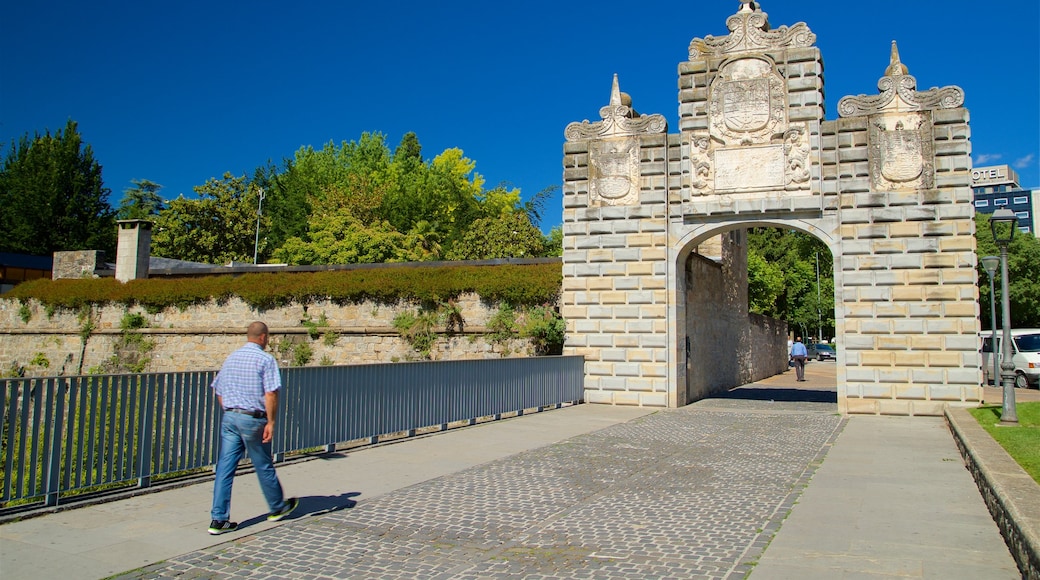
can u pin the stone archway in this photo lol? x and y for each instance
(886, 187)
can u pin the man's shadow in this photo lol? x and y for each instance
(311, 505)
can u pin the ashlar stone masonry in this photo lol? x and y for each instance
(886, 187)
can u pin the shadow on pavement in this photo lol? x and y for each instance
(780, 394)
(311, 505)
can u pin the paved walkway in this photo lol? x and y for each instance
(582, 492)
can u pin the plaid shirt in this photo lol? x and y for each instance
(247, 374)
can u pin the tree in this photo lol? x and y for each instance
(52, 197)
(141, 202)
(554, 242)
(409, 150)
(510, 235)
(765, 283)
(1023, 276)
(806, 305)
(343, 239)
(217, 228)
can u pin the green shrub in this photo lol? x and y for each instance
(502, 325)
(302, 353)
(133, 321)
(519, 284)
(546, 329)
(25, 313)
(313, 327)
(418, 330)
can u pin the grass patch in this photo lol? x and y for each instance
(1021, 442)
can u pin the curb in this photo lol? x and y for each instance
(1011, 495)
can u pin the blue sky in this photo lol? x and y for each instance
(181, 92)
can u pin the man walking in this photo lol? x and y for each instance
(798, 355)
(247, 390)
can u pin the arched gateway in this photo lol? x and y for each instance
(654, 260)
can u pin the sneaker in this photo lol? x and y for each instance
(290, 505)
(217, 527)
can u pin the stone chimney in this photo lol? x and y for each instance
(133, 249)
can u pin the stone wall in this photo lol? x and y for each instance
(77, 263)
(728, 346)
(199, 337)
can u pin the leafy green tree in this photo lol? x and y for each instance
(509, 235)
(536, 205)
(553, 243)
(805, 300)
(765, 283)
(52, 196)
(141, 202)
(286, 207)
(409, 150)
(446, 193)
(1023, 276)
(217, 228)
(341, 238)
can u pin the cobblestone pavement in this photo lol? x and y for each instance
(695, 492)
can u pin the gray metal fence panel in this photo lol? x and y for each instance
(70, 434)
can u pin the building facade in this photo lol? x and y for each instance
(997, 187)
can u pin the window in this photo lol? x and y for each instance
(981, 203)
(1000, 201)
(1022, 215)
(1022, 199)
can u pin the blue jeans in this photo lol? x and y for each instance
(241, 434)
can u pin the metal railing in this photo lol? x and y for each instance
(62, 435)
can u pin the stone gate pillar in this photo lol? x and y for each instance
(900, 162)
(615, 253)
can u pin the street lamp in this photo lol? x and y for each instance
(1003, 223)
(259, 210)
(990, 263)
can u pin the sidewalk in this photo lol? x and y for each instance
(105, 539)
(585, 491)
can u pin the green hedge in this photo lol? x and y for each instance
(521, 284)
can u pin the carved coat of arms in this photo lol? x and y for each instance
(614, 171)
(747, 105)
(901, 152)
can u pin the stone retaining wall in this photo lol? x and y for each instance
(199, 337)
(1010, 493)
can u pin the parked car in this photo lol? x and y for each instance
(822, 352)
(1025, 354)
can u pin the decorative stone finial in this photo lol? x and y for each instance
(748, 6)
(895, 67)
(750, 32)
(898, 92)
(619, 119)
(615, 93)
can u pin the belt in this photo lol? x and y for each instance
(250, 412)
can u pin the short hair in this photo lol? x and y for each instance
(256, 330)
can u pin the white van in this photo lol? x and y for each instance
(1026, 356)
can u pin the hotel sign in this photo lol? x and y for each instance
(994, 175)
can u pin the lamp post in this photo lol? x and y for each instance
(990, 263)
(819, 310)
(1003, 223)
(259, 210)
